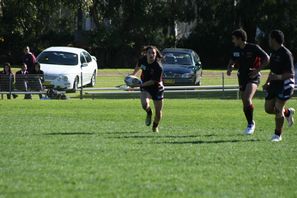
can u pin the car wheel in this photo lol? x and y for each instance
(93, 80)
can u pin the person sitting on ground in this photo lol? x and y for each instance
(7, 80)
(21, 82)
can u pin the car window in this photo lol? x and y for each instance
(88, 57)
(177, 58)
(58, 58)
(82, 59)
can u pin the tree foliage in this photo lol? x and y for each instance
(122, 27)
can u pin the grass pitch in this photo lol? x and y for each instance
(102, 148)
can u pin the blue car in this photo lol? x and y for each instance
(181, 67)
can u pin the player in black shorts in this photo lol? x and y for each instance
(152, 84)
(280, 84)
(249, 58)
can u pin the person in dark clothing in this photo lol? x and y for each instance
(36, 79)
(7, 80)
(279, 86)
(250, 58)
(29, 59)
(21, 82)
(152, 84)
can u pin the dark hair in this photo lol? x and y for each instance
(278, 36)
(149, 47)
(240, 33)
(7, 65)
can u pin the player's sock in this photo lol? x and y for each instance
(278, 132)
(249, 111)
(155, 125)
(287, 112)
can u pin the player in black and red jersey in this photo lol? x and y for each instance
(280, 84)
(249, 58)
(152, 84)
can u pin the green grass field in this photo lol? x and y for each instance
(101, 148)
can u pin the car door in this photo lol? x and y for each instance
(84, 68)
(90, 69)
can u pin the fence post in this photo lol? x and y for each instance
(10, 85)
(81, 84)
(223, 83)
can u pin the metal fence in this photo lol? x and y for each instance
(110, 85)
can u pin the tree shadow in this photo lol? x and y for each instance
(66, 134)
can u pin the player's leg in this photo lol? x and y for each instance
(248, 107)
(279, 119)
(145, 103)
(158, 114)
(270, 106)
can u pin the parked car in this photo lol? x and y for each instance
(63, 66)
(181, 67)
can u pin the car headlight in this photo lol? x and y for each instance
(187, 75)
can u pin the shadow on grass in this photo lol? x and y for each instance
(72, 133)
(207, 141)
(154, 135)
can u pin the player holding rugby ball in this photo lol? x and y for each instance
(152, 84)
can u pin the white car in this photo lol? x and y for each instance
(63, 66)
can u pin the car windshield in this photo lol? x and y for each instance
(58, 58)
(175, 58)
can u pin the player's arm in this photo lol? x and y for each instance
(148, 83)
(283, 76)
(230, 67)
(136, 70)
(264, 61)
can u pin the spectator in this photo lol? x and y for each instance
(7, 80)
(29, 59)
(36, 79)
(21, 82)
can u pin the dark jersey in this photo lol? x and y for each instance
(29, 60)
(248, 57)
(281, 61)
(152, 71)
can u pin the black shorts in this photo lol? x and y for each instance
(243, 82)
(282, 91)
(156, 93)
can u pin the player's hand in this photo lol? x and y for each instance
(253, 73)
(229, 71)
(274, 76)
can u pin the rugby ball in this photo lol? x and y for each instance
(132, 81)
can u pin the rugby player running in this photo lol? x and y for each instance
(279, 86)
(152, 84)
(249, 58)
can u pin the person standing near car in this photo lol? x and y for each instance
(29, 59)
(280, 84)
(250, 58)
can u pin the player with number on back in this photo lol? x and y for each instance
(280, 84)
(152, 84)
(250, 58)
